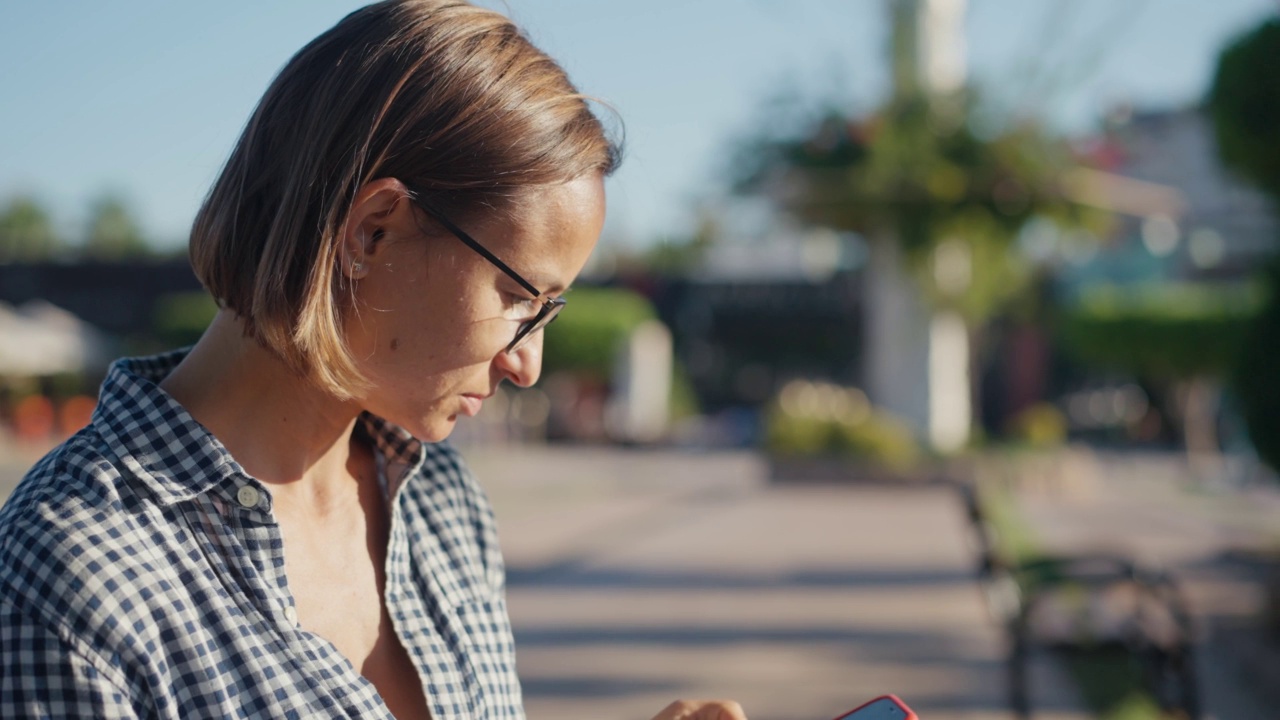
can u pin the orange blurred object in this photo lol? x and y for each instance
(75, 413)
(33, 418)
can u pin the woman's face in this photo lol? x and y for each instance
(432, 318)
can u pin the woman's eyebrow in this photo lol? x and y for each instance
(557, 290)
(546, 284)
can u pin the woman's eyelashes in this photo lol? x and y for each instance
(522, 305)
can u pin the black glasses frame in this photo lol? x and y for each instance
(551, 307)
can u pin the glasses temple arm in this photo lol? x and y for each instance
(471, 243)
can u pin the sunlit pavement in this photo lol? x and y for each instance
(639, 577)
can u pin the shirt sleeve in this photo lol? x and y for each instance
(41, 676)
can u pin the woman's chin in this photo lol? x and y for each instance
(435, 429)
(424, 425)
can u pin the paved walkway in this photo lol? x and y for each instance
(639, 577)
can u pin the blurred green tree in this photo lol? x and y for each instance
(180, 319)
(936, 187)
(1244, 102)
(586, 341)
(112, 233)
(26, 232)
(1181, 338)
(941, 181)
(918, 172)
(1256, 381)
(1164, 332)
(678, 256)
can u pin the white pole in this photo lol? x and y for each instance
(918, 363)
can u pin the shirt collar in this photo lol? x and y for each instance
(399, 452)
(155, 438)
(171, 453)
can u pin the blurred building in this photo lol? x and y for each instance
(1221, 229)
(768, 302)
(741, 340)
(118, 298)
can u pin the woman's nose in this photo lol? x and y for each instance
(523, 366)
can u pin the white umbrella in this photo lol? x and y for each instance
(43, 339)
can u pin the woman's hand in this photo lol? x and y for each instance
(702, 710)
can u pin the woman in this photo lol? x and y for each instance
(265, 525)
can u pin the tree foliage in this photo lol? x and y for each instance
(112, 233)
(679, 256)
(1161, 332)
(586, 339)
(925, 171)
(180, 319)
(1256, 381)
(26, 232)
(1244, 101)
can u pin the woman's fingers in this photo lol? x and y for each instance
(702, 710)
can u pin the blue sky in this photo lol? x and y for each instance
(144, 98)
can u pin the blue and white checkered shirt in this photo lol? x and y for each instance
(142, 575)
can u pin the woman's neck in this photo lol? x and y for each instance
(278, 426)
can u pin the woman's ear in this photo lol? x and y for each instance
(380, 206)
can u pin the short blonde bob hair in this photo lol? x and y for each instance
(450, 98)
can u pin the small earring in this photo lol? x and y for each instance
(357, 268)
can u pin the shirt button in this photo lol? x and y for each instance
(248, 496)
(291, 615)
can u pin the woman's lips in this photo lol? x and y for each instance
(471, 405)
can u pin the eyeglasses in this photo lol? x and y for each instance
(551, 307)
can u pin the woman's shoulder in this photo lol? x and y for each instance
(60, 529)
(77, 478)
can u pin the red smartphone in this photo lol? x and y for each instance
(885, 707)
